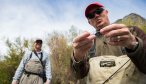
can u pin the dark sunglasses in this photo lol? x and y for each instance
(97, 11)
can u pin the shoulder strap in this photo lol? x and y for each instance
(28, 59)
(92, 51)
(40, 58)
(30, 56)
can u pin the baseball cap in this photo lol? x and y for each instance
(92, 5)
(39, 41)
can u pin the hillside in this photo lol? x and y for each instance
(133, 20)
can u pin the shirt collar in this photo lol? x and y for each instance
(39, 52)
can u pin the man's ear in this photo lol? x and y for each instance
(106, 12)
(89, 22)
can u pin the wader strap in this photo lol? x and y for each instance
(40, 58)
(29, 73)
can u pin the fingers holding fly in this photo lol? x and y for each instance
(84, 39)
(118, 32)
(81, 37)
(111, 27)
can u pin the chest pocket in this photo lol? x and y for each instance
(34, 66)
(112, 69)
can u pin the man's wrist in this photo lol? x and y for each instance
(48, 81)
(135, 45)
(14, 82)
(76, 58)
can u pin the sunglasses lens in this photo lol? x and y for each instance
(90, 16)
(97, 11)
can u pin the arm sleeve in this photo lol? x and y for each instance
(48, 68)
(79, 69)
(20, 68)
(138, 56)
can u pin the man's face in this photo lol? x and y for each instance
(38, 46)
(99, 20)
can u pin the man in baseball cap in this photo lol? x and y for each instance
(113, 55)
(96, 4)
(35, 66)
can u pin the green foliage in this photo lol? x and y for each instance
(14, 55)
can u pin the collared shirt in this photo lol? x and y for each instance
(25, 59)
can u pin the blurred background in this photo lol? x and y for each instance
(57, 22)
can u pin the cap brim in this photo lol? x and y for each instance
(89, 7)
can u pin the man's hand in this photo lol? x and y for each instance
(81, 44)
(119, 35)
(14, 82)
(47, 82)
